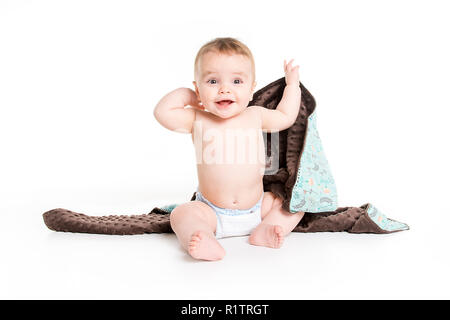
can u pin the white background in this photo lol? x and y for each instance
(78, 84)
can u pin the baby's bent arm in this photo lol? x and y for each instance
(286, 112)
(171, 113)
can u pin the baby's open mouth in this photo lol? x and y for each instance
(224, 103)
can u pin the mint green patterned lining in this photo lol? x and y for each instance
(169, 207)
(384, 222)
(314, 190)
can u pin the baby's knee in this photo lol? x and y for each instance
(269, 197)
(277, 203)
(185, 211)
(177, 214)
(272, 199)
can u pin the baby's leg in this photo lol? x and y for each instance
(194, 223)
(276, 223)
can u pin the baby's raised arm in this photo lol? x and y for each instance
(171, 113)
(286, 112)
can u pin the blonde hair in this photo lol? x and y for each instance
(228, 46)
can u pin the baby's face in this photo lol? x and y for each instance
(222, 77)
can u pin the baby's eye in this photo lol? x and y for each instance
(237, 80)
(212, 80)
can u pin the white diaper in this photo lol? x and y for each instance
(234, 222)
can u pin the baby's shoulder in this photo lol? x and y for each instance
(253, 108)
(254, 111)
(202, 115)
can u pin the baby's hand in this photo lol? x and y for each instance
(291, 74)
(190, 98)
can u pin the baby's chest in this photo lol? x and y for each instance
(239, 142)
(226, 134)
(240, 126)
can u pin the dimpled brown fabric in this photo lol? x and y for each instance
(350, 219)
(65, 220)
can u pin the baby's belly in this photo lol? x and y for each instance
(231, 186)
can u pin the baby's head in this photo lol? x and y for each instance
(224, 69)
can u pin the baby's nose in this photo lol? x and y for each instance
(224, 89)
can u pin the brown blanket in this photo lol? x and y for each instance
(350, 219)
(288, 153)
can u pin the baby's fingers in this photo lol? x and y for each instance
(288, 67)
(198, 105)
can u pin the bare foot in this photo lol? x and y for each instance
(203, 246)
(267, 235)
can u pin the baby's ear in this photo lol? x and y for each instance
(196, 89)
(253, 90)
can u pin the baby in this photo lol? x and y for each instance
(230, 199)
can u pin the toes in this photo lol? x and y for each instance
(198, 235)
(278, 231)
(195, 239)
(192, 249)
